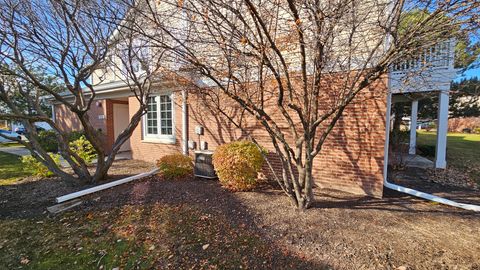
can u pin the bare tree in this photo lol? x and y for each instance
(298, 62)
(78, 43)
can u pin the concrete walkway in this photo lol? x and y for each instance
(17, 150)
(22, 151)
(417, 161)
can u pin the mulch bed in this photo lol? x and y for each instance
(32, 195)
(341, 231)
(448, 183)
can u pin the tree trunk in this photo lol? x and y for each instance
(303, 193)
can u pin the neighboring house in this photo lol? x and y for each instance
(353, 159)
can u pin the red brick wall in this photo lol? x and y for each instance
(351, 159)
(67, 121)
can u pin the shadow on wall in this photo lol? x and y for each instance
(65, 119)
(360, 136)
(352, 157)
(213, 112)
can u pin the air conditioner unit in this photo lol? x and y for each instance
(204, 165)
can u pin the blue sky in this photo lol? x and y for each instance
(472, 71)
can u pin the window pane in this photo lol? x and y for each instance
(166, 122)
(152, 125)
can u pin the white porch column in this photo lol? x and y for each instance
(442, 128)
(184, 122)
(413, 128)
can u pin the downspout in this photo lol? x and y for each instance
(53, 113)
(406, 190)
(184, 122)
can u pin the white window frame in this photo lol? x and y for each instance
(160, 138)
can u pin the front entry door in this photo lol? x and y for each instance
(121, 119)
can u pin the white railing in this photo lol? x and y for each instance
(441, 55)
(432, 69)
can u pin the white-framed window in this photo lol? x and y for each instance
(158, 122)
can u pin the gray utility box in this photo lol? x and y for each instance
(204, 165)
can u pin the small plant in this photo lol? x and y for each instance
(84, 149)
(237, 165)
(175, 166)
(476, 130)
(32, 164)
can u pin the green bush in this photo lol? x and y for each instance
(36, 167)
(75, 135)
(476, 130)
(427, 150)
(175, 166)
(237, 165)
(48, 140)
(84, 149)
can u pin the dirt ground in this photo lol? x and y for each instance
(449, 183)
(341, 231)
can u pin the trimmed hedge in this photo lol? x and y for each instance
(175, 166)
(237, 165)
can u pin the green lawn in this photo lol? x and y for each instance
(463, 151)
(11, 168)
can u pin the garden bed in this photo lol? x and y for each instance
(30, 196)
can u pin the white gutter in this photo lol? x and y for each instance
(53, 113)
(184, 122)
(410, 191)
(104, 186)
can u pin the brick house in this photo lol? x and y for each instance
(354, 157)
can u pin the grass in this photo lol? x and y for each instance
(463, 151)
(11, 169)
(152, 236)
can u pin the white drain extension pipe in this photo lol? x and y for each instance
(410, 191)
(104, 186)
(431, 197)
